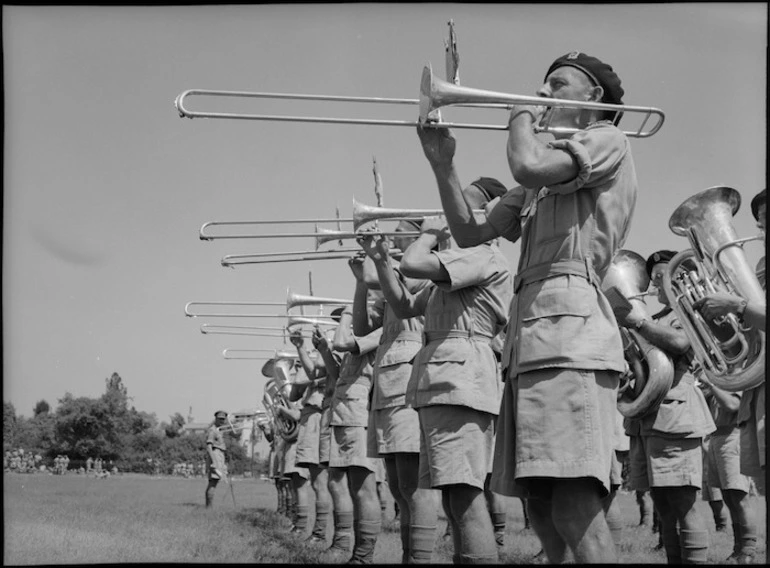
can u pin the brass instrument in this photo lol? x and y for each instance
(276, 394)
(254, 330)
(293, 300)
(651, 369)
(239, 421)
(731, 354)
(299, 320)
(232, 260)
(434, 94)
(189, 313)
(245, 353)
(363, 214)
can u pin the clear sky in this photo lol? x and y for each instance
(106, 187)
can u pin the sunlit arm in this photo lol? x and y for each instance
(420, 262)
(467, 230)
(665, 337)
(534, 163)
(730, 401)
(401, 301)
(364, 317)
(344, 338)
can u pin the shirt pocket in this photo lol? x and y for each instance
(394, 368)
(442, 365)
(553, 325)
(674, 416)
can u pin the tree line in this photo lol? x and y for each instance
(110, 428)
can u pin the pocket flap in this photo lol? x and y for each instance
(399, 352)
(558, 302)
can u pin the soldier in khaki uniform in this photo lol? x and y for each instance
(563, 353)
(351, 471)
(216, 468)
(455, 384)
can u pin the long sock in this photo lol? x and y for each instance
(367, 533)
(422, 539)
(736, 539)
(670, 538)
(615, 524)
(694, 546)
(405, 544)
(498, 522)
(748, 542)
(343, 530)
(300, 519)
(321, 519)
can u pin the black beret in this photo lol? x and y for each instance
(600, 73)
(660, 256)
(490, 187)
(415, 223)
(759, 199)
(337, 313)
(222, 412)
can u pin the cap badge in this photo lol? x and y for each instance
(573, 55)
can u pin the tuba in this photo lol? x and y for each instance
(731, 354)
(651, 369)
(276, 394)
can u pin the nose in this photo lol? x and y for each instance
(544, 91)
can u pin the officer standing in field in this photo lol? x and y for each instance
(216, 468)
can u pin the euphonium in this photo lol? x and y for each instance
(732, 356)
(651, 369)
(277, 389)
(273, 397)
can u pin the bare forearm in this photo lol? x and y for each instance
(665, 337)
(465, 228)
(362, 322)
(398, 297)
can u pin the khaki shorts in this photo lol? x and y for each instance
(665, 462)
(616, 472)
(723, 462)
(394, 430)
(456, 446)
(555, 424)
(325, 437)
(349, 448)
(290, 466)
(380, 476)
(219, 464)
(309, 439)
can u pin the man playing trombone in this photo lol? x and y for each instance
(394, 429)
(309, 387)
(563, 354)
(455, 384)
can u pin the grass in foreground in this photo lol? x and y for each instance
(133, 518)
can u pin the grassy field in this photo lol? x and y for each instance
(133, 518)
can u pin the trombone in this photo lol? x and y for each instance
(232, 260)
(245, 354)
(435, 93)
(255, 330)
(191, 314)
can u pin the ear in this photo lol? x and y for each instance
(597, 93)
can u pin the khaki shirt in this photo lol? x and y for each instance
(350, 403)
(400, 342)
(216, 438)
(569, 233)
(313, 398)
(457, 364)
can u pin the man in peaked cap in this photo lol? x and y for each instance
(563, 355)
(216, 467)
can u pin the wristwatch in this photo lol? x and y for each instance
(640, 323)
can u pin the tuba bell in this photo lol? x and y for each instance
(731, 354)
(277, 394)
(651, 369)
